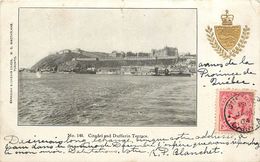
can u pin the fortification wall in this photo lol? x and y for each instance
(119, 63)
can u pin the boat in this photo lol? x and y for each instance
(38, 73)
(180, 71)
(157, 71)
(91, 70)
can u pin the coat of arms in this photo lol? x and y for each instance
(227, 39)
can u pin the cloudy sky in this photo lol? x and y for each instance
(45, 31)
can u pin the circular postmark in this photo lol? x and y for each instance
(238, 113)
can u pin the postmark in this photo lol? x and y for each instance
(235, 111)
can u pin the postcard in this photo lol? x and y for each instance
(128, 81)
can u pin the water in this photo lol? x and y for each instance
(106, 100)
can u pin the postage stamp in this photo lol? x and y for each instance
(235, 111)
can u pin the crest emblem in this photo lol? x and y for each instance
(227, 39)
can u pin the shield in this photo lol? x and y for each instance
(228, 36)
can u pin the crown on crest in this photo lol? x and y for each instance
(227, 18)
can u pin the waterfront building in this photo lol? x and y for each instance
(188, 57)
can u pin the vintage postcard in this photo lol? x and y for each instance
(123, 81)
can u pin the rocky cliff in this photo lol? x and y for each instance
(63, 62)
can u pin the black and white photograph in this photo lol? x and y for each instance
(130, 67)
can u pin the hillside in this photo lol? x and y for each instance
(57, 61)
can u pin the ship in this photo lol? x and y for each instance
(180, 71)
(91, 70)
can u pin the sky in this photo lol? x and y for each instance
(46, 31)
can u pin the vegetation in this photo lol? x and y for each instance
(63, 62)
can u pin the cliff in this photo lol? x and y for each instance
(63, 62)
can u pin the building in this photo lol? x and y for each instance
(188, 57)
(117, 54)
(165, 52)
(77, 50)
(113, 53)
(142, 54)
(64, 51)
(86, 59)
(131, 54)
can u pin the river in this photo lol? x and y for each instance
(106, 100)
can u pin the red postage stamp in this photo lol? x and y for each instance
(235, 111)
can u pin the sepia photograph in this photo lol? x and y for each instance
(107, 67)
